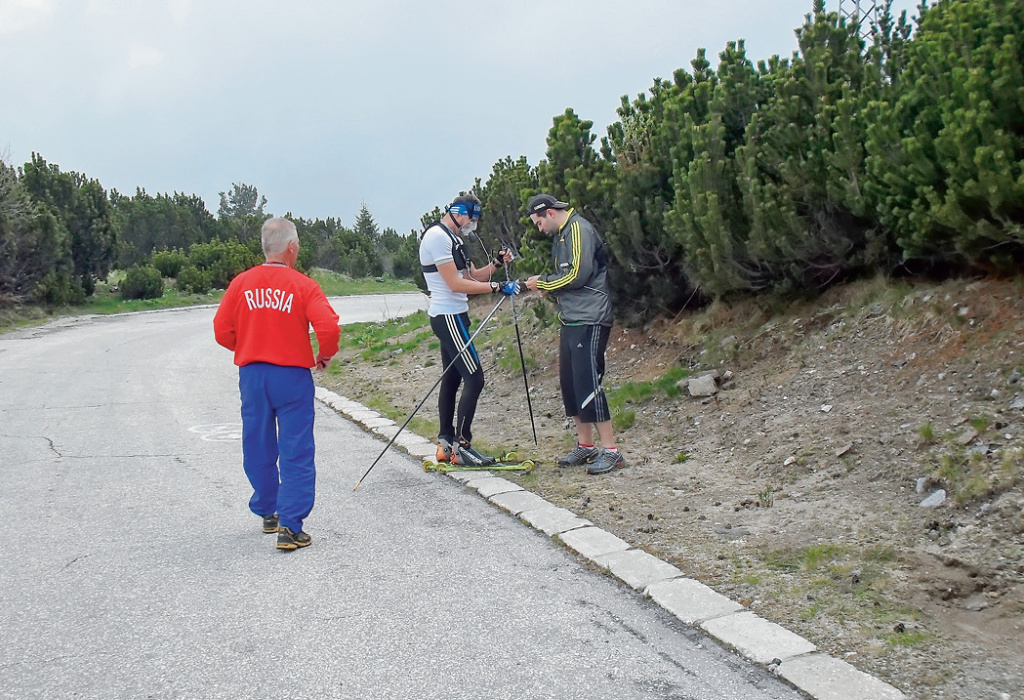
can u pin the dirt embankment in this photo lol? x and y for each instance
(796, 488)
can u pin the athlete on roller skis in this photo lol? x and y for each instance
(451, 277)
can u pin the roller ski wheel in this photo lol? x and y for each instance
(525, 466)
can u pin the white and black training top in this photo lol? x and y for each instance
(439, 246)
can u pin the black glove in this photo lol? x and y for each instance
(499, 259)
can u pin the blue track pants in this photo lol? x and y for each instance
(277, 440)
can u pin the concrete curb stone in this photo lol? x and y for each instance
(375, 424)
(420, 449)
(493, 485)
(592, 542)
(552, 520)
(828, 678)
(690, 600)
(363, 416)
(757, 638)
(637, 568)
(517, 501)
(407, 441)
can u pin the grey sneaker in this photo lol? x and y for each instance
(579, 455)
(467, 456)
(607, 461)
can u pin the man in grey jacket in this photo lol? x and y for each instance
(579, 286)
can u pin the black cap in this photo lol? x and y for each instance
(540, 203)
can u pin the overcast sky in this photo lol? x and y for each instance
(326, 104)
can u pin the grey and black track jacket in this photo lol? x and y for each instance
(580, 282)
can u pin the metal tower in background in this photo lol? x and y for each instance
(864, 12)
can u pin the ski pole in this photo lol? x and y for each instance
(522, 362)
(519, 339)
(443, 372)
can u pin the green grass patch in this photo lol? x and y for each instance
(107, 298)
(501, 340)
(880, 290)
(337, 284)
(1011, 466)
(880, 554)
(811, 612)
(404, 346)
(980, 423)
(623, 420)
(819, 555)
(906, 639)
(425, 427)
(950, 469)
(971, 477)
(641, 392)
(509, 361)
(378, 335)
(807, 559)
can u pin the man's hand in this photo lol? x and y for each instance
(531, 284)
(322, 362)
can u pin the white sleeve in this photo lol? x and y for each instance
(436, 247)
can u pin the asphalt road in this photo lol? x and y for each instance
(132, 567)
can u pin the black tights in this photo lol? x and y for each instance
(453, 332)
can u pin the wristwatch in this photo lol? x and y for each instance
(495, 287)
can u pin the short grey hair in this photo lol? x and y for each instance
(276, 234)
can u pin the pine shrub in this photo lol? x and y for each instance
(142, 282)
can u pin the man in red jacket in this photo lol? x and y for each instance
(264, 318)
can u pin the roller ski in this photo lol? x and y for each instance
(461, 457)
(507, 464)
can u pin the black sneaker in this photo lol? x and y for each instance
(467, 456)
(607, 461)
(270, 523)
(579, 456)
(286, 539)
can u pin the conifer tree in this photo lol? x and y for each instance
(503, 198)
(574, 170)
(366, 226)
(802, 235)
(708, 218)
(650, 141)
(35, 255)
(945, 156)
(82, 208)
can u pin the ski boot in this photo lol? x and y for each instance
(445, 452)
(468, 457)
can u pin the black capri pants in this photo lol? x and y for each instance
(580, 370)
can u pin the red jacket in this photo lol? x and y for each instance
(266, 313)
